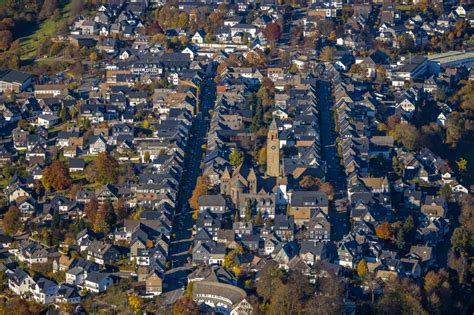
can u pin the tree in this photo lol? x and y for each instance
(11, 220)
(310, 183)
(199, 190)
(48, 8)
(269, 280)
(248, 210)
(381, 73)
(90, 210)
(272, 32)
(438, 292)
(93, 56)
(400, 241)
(328, 189)
(462, 165)
(466, 218)
(461, 240)
(185, 306)
(384, 231)
(327, 53)
(64, 114)
(56, 176)
(236, 157)
(146, 156)
(56, 220)
(407, 135)
(6, 38)
(135, 302)
(146, 124)
(362, 269)
(400, 297)
(455, 126)
(153, 28)
(328, 298)
(107, 168)
(76, 7)
(262, 156)
(120, 209)
(67, 308)
(445, 191)
(104, 218)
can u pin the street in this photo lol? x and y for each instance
(179, 255)
(334, 174)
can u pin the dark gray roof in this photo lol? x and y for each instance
(309, 199)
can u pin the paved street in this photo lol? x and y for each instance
(176, 277)
(335, 174)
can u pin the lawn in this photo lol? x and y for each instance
(29, 44)
(89, 158)
(60, 127)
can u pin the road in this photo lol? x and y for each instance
(176, 277)
(334, 173)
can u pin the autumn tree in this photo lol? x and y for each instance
(262, 156)
(384, 231)
(153, 28)
(466, 218)
(381, 73)
(93, 56)
(185, 306)
(56, 176)
(290, 297)
(120, 209)
(48, 8)
(400, 297)
(72, 191)
(270, 279)
(107, 167)
(329, 296)
(236, 157)
(266, 93)
(328, 189)
(104, 218)
(135, 302)
(462, 165)
(272, 32)
(406, 135)
(6, 38)
(327, 53)
(91, 209)
(362, 269)
(76, 7)
(200, 189)
(310, 183)
(438, 292)
(11, 220)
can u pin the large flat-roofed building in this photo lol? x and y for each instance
(413, 68)
(13, 80)
(450, 59)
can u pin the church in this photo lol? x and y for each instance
(266, 192)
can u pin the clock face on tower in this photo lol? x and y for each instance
(273, 147)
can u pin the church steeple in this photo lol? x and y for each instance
(273, 150)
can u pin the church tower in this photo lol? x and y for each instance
(273, 150)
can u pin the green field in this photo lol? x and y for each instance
(30, 43)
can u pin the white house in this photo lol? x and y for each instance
(44, 291)
(198, 37)
(75, 276)
(97, 282)
(47, 121)
(19, 281)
